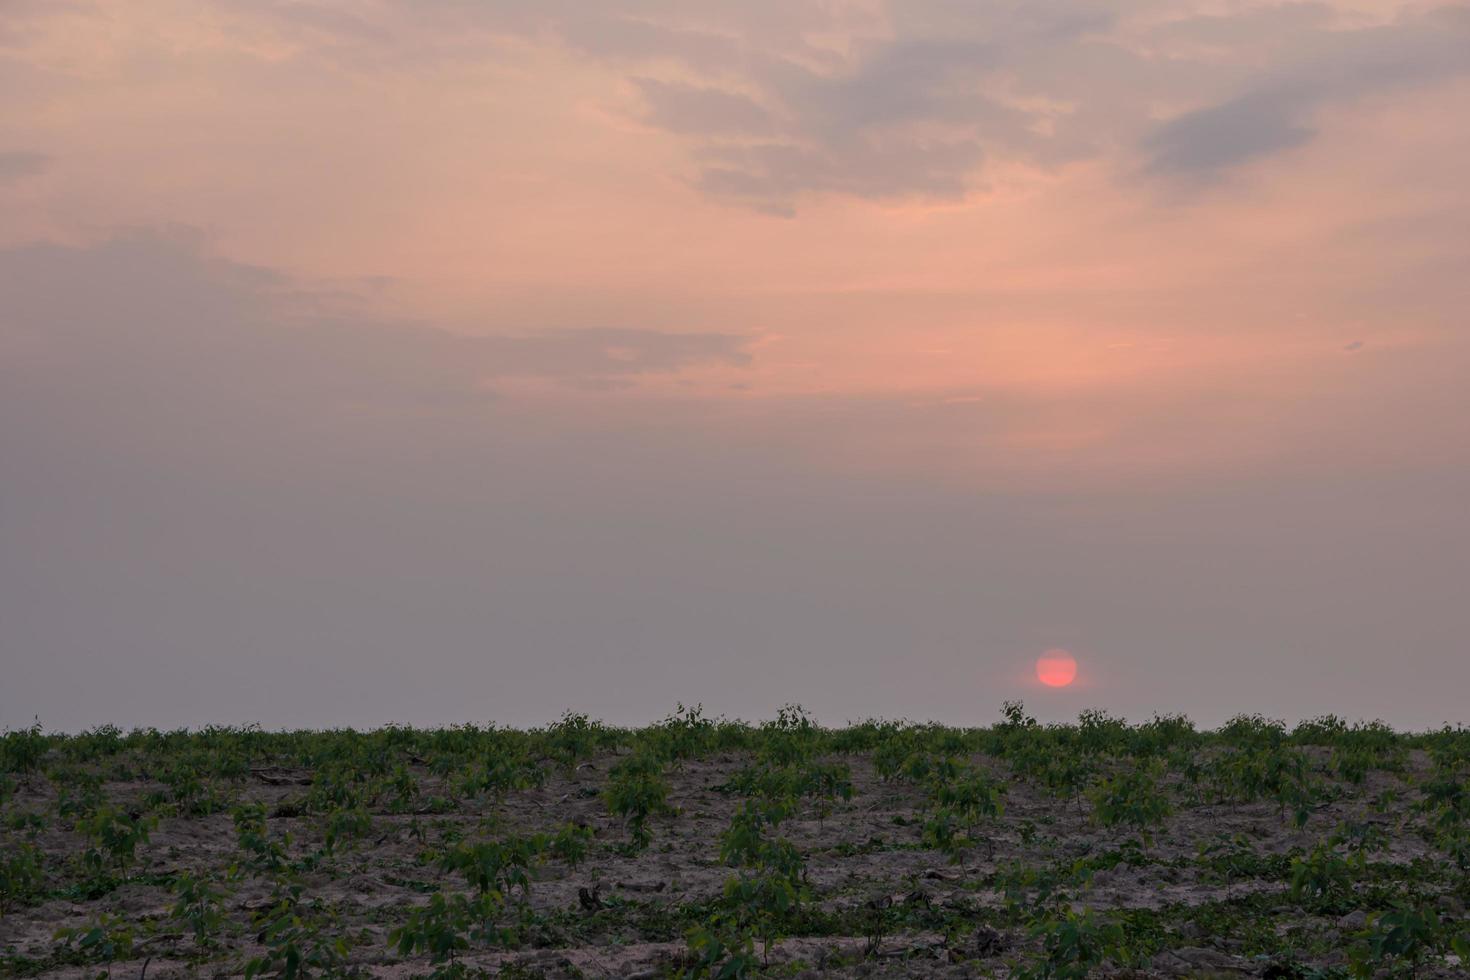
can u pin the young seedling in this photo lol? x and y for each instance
(636, 791)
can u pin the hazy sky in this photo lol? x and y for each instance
(469, 360)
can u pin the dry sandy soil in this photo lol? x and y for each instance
(866, 863)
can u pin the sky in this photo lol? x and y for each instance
(482, 360)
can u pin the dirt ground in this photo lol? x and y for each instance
(623, 914)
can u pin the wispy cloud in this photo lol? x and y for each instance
(15, 164)
(1332, 67)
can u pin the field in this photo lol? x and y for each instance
(703, 847)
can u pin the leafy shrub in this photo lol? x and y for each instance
(1073, 946)
(495, 868)
(1134, 798)
(1323, 875)
(349, 823)
(1405, 934)
(570, 844)
(636, 791)
(197, 909)
(107, 939)
(262, 853)
(721, 953)
(114, 837)
(22, 876)
(22, 751)
(298, 944)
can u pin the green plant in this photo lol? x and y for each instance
(114, 837)
(22, 750)
(1073, 946)
(826, 783)
(298, 944)
(720, 952)
(962, 797)
(262, 852)
(636, 791)
(574, 738)
(79, 794)
(504, 768)
(1404, 934)
(189, 793)
(22, 876)
(495, 868)
(107, 939)
(440, 929)
(570, 844)
(349, 823)
(1323, 874)
(197, 908)
(1133, 798)
(685, 734)
(762, 903)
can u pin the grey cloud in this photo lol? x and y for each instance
(328, 21)
(603, 353)
(1222, 136)
(859, 132)
(917, 96)
(916, 113)
(815, 119)
(1269, 25)
(695, 109)
(147, 322)
(778, 101)
(626, 39)
(772, 176)
(15, 164)
(1332, 66)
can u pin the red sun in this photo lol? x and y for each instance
(1056, 668)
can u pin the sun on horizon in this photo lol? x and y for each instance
(1056, 668)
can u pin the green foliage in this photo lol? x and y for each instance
(791, 738)
(79, 793)
(198, 910)
(298, 943)
(1404, 934)
(107, 939)
(1323, 874)
(349, 823)
(570, 844)
(506, 767)
(972, 795)
(826, 783)
(635, 792)
(113, 836)
(1234, 858)
(1271, 772)
(495, 868)
(762, 903)
(22, 750)
(191, 793)
(575, 738)
(440, 929)
(717, 953)
(961, 797)
(1133, 798)
(684, 734)
(22, 876)
(261, 851)
(1073, 946)
(93, 745)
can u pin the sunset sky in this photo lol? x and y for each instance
(469, 360)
